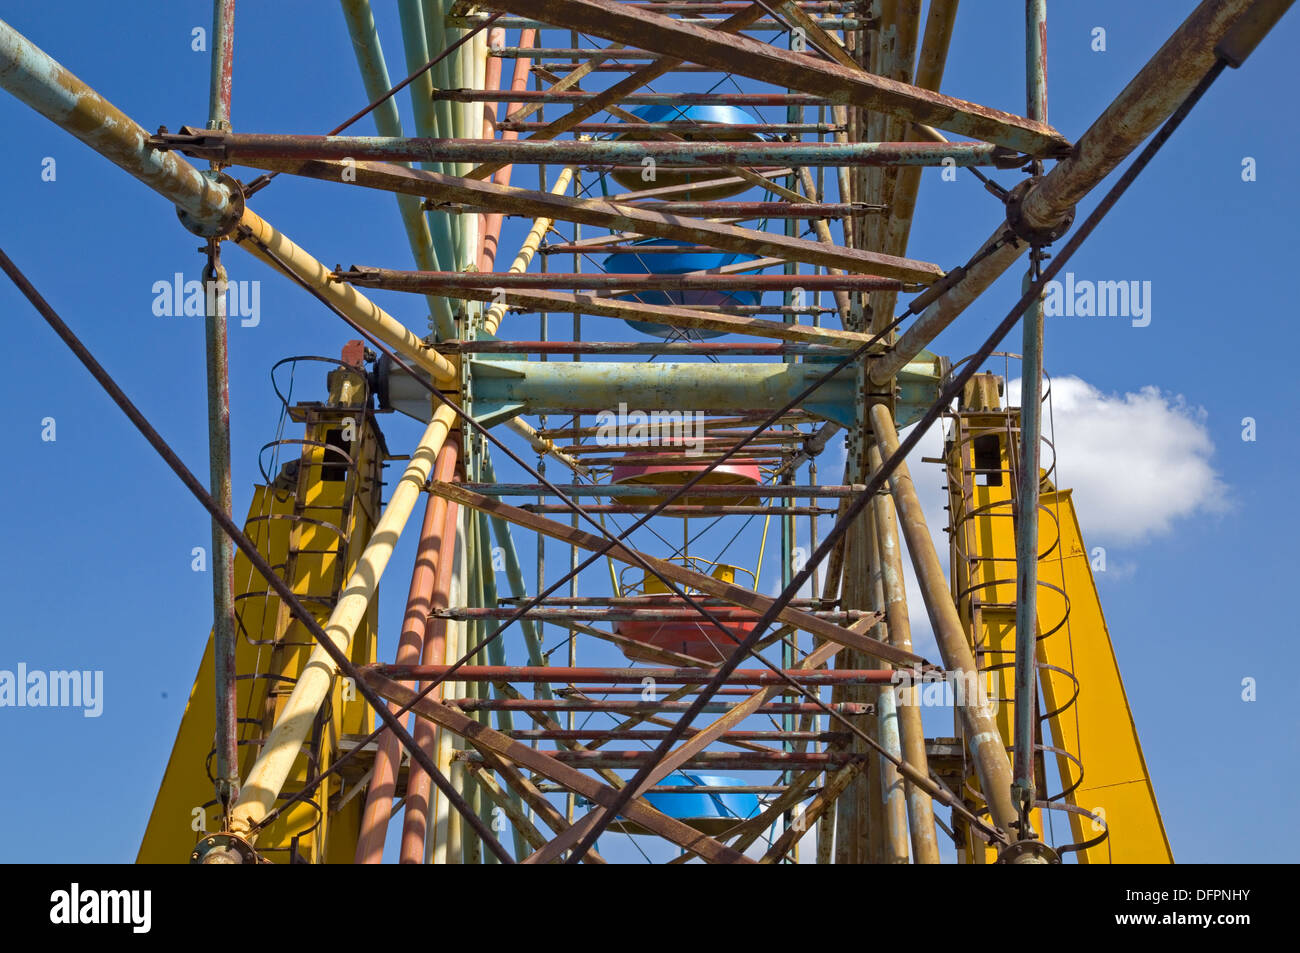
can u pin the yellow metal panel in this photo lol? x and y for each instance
(1099, 727)
(1096, 727)
(186, 786)
(310, 828)
(297, 530)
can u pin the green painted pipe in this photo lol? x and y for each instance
(374, 76)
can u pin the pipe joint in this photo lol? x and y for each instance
(224, 848)
(1025, 226)
(225, 223)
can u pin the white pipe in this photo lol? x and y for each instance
(283, 747)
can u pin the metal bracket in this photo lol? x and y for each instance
(207, 144)
(1028, 852)
(224, 848)
(1004, 158)
(1016, 221)
(234, 211)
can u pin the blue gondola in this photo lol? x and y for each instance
(707, 812)
(687, 117)
(676, 264)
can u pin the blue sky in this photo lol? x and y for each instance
(96, 568)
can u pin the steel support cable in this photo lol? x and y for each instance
(877, 479)
(282, 589)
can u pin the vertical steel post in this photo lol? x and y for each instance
(223, 552)
(873, 844)
(793, 114)
(449, 825)
(571, 801)
(496, 656)
(1036, 59)
(219, 482)
(223, 49)
(473, 845)
(787, 646)
(1026, 510)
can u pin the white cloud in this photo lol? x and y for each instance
(1138, 462)
(928, 480)
(1117, 571)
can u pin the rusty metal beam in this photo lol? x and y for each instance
(931, 59)
(986, 747)
(765, 25)
(650, 490)
(689, 511)
(736, 211)
(597, 102)
(628, 614)
(518, 782)
(394, 280)
(835, 786)
(655, 734)
(243, 148)
(603, 214)
(745, 56)
(706, 760)
(558, 301)
(576, 97)
(1147, 101)
(618, 128)
(671, 192)
(223, 54)
(920, 809)
(519, 818)
(629, 676)
(35, 78)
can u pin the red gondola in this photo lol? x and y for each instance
(700, 640)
